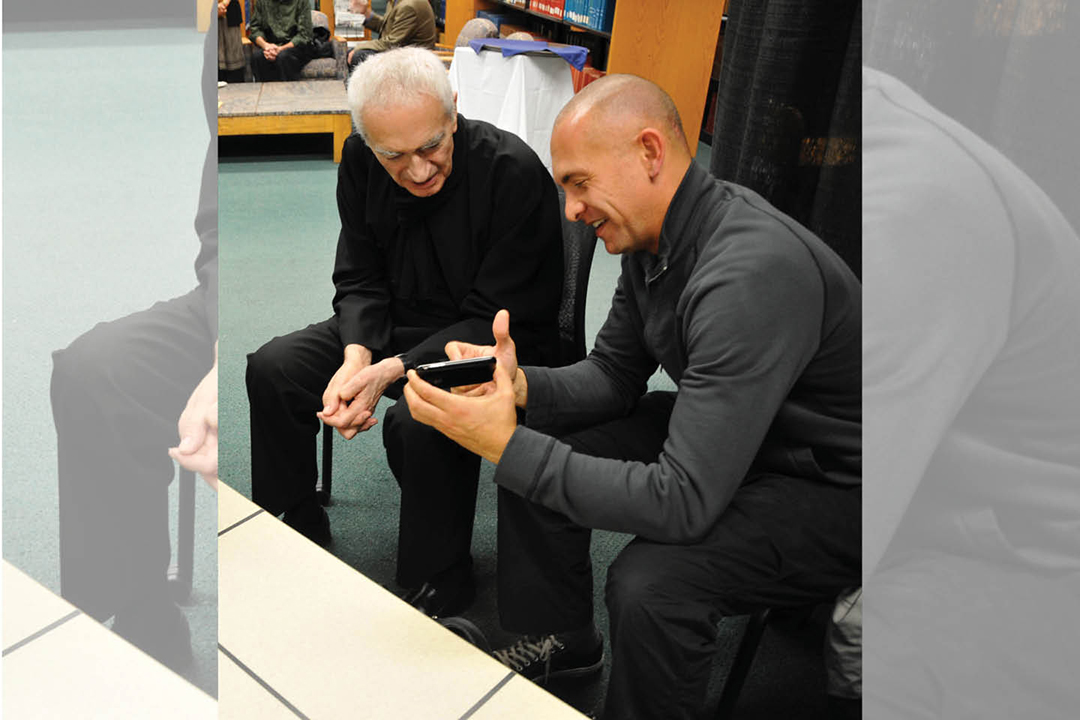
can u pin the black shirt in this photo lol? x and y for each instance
(491, 238)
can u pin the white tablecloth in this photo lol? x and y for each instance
(522, 94)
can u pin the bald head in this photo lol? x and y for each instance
(619, 151)
(627, 103)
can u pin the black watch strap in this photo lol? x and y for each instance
(409, 364)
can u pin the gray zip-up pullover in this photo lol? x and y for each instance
(757, 321)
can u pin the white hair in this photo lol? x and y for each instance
(396, 77)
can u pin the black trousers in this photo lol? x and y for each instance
(781, 542)
(117, 393)
(287, 66)
(285, 381)
(360, 55)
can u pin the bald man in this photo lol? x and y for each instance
(742, 488)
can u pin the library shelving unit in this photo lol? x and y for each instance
(671, 42)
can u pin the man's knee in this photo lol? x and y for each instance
(400, 429)
(635, 588)
(409, 441)
(645, 585)
(268, 366)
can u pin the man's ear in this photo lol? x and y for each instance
(652, 149)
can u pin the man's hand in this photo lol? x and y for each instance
(357, 357)
(363, 391)
(270, 52)
(481, 423)
(198, 428)
(360, 7)
(505, 353)
(221, 8)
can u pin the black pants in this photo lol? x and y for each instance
(781, 542)
(287, 66)
(117, 393)
(359, 55)
(285, 381)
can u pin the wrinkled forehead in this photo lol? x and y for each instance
(406, 126)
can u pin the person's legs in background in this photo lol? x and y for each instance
(358, 56)
(262, 70)
(117, 393)
(292, 60)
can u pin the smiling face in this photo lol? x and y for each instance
(413, 142)
(605, 184)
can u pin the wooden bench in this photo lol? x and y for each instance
(277, 108)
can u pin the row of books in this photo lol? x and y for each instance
(594, 14)
(585, 76)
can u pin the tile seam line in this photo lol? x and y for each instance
(265, 685)
(48, 628)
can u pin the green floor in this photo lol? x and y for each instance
(104, 138)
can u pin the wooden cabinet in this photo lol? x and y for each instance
(671, 42)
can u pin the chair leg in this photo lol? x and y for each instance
(180, 577)
(326, 478)
(740, 666)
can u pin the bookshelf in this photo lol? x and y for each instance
(502, 5)
(671, 42)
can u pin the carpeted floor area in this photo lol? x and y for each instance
(279, 226)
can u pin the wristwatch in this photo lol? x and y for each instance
(409, 364)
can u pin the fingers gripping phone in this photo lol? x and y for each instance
(451, 373)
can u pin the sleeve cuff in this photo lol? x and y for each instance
(523, 461)
(539, 409)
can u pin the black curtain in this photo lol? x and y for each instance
(788, 112)
(1009, 70)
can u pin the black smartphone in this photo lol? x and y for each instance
(451, 373)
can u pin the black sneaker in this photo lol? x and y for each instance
(311, 521)
(546, 658)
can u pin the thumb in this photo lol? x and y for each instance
(192, 435)
(500, 327)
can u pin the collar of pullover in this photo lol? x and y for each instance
(680, 221)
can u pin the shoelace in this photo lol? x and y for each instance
(527, 651)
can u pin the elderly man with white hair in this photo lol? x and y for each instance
(444, 221)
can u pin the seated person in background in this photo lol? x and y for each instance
(743, 488)
(474, 30)
(281, 32)
(407, 22)
(443, 221)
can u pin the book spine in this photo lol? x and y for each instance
(607, 16)
(579, 11)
